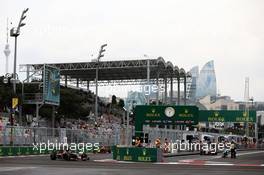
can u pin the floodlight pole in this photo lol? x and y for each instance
(14, 32)
(100, 55)
(15, 60)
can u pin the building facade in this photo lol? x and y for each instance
(206, 84)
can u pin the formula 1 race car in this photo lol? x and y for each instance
(103, 149)
(68, 155)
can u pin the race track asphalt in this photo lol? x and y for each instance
(245, 164)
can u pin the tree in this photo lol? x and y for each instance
(73, 103)
(121, 103)
(114, 100)
(70, 103)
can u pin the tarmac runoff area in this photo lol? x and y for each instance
(247, 162)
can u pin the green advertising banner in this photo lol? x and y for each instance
(186, 115)
(165, 115)
(235, 116)
(51, 81)
(18, 150)
(137, 154)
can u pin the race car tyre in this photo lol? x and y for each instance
(66, 157)
(84, 157)
(53, 156)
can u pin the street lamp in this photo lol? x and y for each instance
(100, 55)
(14, 32)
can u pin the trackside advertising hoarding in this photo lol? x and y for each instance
(51, 82)
(235, 116)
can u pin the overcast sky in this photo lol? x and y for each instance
(185, 32)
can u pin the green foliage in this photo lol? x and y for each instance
(121, 103)
(72, 103)
(114, 102)
(46, 111)
(5, 94)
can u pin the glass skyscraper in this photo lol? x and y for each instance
(206, 84)
(203, 83)
(135, 98)
(195, 74)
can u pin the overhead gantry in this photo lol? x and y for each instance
(123, 72)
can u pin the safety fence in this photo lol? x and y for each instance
(16, 141)
(27, 136)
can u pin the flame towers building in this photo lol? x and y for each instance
(206, 84)
(203, 83)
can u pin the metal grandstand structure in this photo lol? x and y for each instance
(124, 72)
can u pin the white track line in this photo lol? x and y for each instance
(219, 164)
(6, 157)
(112, 161)
(205, 163)
(3, 169)
(220, 156)
(167, 163)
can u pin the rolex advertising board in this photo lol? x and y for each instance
(165, 115)
(187, 115)
(227, 116)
